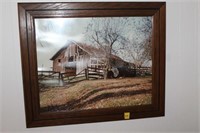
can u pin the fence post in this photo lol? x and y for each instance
(59, 75)
(86, 73)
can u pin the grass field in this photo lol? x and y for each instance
(94, 94)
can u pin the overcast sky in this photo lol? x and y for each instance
(54, 33)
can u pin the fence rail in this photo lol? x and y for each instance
(70, 76)
(44, 75)
(144, 70)
(85, 74)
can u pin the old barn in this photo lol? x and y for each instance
(75, 57)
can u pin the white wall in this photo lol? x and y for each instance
(199, 57)
(182, 86)
(1, 41)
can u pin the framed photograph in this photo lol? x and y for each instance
(92, 62)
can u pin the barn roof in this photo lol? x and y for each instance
(59, 52)
(92, 51)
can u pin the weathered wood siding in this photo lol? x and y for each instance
(58, 63)
(76, 58)
(82, 60)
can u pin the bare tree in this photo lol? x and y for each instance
(132, 35)
(107, 32)
(147, 41)
(139, 46)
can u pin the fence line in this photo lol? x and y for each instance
(89, 73)
(42, 75)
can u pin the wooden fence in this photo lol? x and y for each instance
(143, 71)
(70, 76)
(45, 75)
(85, 74)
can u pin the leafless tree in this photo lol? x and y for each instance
(132, 35)
(147, 41)
(141, 50)
(107, 32)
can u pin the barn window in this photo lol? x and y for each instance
(80, 51)
(59, 60)
(71, 58)
(93, 61)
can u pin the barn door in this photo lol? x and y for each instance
(79, 64)
(82, 63)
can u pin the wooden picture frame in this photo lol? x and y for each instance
(28, 12)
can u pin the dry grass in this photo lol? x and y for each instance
(121, 102)
(97, 94)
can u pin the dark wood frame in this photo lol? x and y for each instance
(29, 11)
